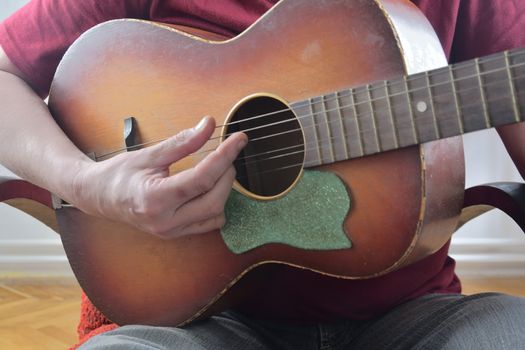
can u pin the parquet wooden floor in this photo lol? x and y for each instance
(36, 314)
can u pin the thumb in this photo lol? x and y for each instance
(180, 145)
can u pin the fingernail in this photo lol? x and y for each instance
(201, 124)
(242, 143)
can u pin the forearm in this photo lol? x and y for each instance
(31, 143)
(34, 147)
(513, 136)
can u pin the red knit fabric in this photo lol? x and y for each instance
(92, 322)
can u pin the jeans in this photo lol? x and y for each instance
(435, 321)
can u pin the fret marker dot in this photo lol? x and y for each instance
(421, 106)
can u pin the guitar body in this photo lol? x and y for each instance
(405, 204)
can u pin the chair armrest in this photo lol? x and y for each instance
(28, 198)
(509, 197)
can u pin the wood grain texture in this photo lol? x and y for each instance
(513, 286)
(39, 314)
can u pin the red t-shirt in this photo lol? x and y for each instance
(36, 37)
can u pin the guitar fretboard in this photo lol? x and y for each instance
(409, 110)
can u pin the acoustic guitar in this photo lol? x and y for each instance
(357, 93)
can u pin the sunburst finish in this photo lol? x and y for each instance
(406, 203)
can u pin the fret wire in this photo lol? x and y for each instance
(453, 67)
(456, 100)
(445, 115)
(358, 126)
(511, 54)
(300, 116)
(466, 106)
(306, 165)
(309, 164)
(374, 116)
(348, 134)
(512, 88)
(446, 118)
(315, 131)
(411, 111)
(488, 123)
(432, 106)
(343, 129)
(329, 132)
(391, 114)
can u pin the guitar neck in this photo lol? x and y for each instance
(410, 110)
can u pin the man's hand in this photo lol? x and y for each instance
(136, 188)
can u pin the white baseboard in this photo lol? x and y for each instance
(489, 257)
(33, 258)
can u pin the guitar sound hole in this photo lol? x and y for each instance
(272, 161)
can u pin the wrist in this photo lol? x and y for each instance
(74, 182)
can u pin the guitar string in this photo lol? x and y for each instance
(328, 144)
(384, 98)
(409, 79)
(398, 126)
(428, 87)
(343, 96)
(307, 165)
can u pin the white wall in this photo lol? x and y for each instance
(9, 6)
(26, 246)
(492, 244)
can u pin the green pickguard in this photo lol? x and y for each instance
(310, 216)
